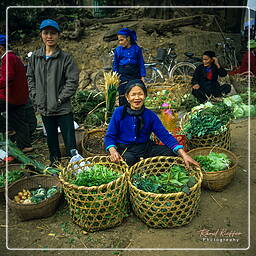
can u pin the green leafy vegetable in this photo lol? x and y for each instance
(175, 180)
(12, 176)
(211, 119)
(94, 176)
(213, 162)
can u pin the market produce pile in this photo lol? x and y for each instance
(207, 119)
(35, 196)
(12, 176)
(240, 104)
(176, 179)
(213, 162)
(94, 176)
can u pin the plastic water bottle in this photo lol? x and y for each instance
(76, 157)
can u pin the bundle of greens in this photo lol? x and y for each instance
(12, 176)
(83, 102)
(208, 119)
(175, 180)
(94, 176)
(19, 155)
(112, 82)
(213, 162)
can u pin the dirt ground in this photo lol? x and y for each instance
(224, 213)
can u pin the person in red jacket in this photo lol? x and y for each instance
(16, 94)
(249, 56)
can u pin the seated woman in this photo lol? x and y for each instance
(128, 134)
(205, 78)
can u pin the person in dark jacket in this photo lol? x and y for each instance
(17, 95)
(128, 61)
(128, 134)
(205, 78)
(53, 79)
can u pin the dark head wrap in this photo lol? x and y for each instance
(133, 83)
(128, 32)
(137, 113)
(211, 54)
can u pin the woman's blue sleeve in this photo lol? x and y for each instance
(116, 61)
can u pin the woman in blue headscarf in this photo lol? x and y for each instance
(128, 61)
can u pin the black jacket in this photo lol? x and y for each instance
(200, 77)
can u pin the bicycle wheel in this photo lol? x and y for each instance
(182, 72)
(154, 75)
(98, 82)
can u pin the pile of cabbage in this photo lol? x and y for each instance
(240, 104)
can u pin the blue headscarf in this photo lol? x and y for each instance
(128, 32)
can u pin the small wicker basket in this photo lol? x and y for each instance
(97, 207)
(216, 181)
(95, 137)
(34, 211)
(163, 210)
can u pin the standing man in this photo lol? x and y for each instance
(17, 96)
(53, 79)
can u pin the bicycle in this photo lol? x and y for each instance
(167, 64)
(227, 58)
(98, 82)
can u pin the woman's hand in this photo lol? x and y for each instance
(187, 158)
(114, 155)
(196, 86)
(216, 62)
(143, 79)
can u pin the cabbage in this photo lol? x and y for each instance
(236, 98)
(238, 111)
(245, 109)
(252, 110)
(228, 102)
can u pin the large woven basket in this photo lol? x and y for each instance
(93, 138)
(34, 211)
(163, 210)
(97, 207)
(222, 139)
(11, 167)
(216, 181)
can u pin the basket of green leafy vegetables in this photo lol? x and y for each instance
(34, 197)
(208, 125)
(96, 191)
(163, 193)
(218, 166)
(15, 172)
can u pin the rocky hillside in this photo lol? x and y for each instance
(94, 40)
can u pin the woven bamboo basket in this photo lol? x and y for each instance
(97, 207)
(34, 211)
(93, 138)
(11, 167)
(217, 181)
(222, 139)
(163, 210)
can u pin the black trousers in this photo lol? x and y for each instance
(17, 121)
(201, 94)
(134, 152)
(66, 124)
